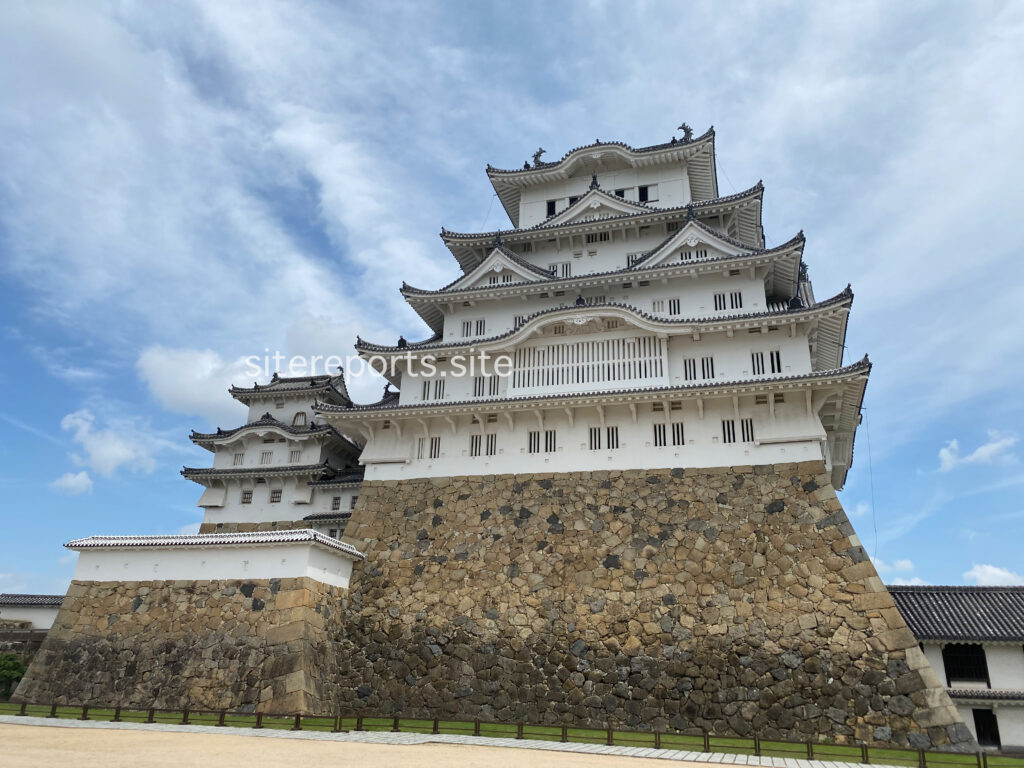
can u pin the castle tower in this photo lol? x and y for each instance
(284, 468)
(606, 490)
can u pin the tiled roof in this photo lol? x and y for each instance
(343, 477)
(215, 540)
(844, 296)
(288, 469)
(751, 193)
(985, 693)
(975, 614)
(266, 420)
(328, 516)
(861, 367)
(292, 385)
(640, 267)
(35, 600)
(674, 144)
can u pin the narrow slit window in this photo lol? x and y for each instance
(776, 361)
(728, 431)
(747, 429)
(595, 438)
(435, 447)
(707, 367)
(757, 363)
(719, 301)
(677, 433)
(612, 433)
(474, 445)
(492, 444)
(659, 435)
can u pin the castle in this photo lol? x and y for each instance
(602, 490)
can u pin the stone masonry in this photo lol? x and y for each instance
(239, 645)
(734, 600)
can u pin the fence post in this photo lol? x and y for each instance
(53, 710)
(810, 750)
(979, 758)
(184, 716)
(519, 730)
(565, 733)
(359, 722)
(437, 726)
(85, 712)
(476, 727)
(611, 737)
(151, 717)
(24, 708)
(337, 724)
(298, 722)
(984, 759)
(864, 754)
(657, 739)
(220, 720)
(259, 720)
(707, 741)
(117, 714)
(922, 761)
(757, 745)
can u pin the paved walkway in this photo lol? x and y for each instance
(383, 737)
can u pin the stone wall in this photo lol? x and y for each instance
(248, 645)
(732, 600)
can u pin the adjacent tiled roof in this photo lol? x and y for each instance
(861, 367)
(674, 144)
(288, 469)
(215, 540)
(34, 600)
(985, 693)
(328, 516)
(752, 193)
(266, 420)
(640, 267)
(291, 385)
(843, 297)
(975, 614)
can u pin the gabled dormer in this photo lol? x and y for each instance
(596, 204)
(693, 242)
(501, 266)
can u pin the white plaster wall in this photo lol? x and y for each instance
(282, 407)
(262, 511)
(1005, 666)
(41, 616)
(933, 652)
(390, 456)
(267, 561)
(671, 178)
(311, 451)
(1011, 726)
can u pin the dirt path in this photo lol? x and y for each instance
(24, 746)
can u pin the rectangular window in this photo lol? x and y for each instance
(519, 320)
(275, 496)
(595, 438)
(551, 207)
(426, 390)
(620, 193)
(558, 330)
(435, 447)
(673, 306)
(658, 305)
(597, 300)
(672, 226)
(613, 438)
(598, 237)
(987, 728)
(561, 269)
(478, 386)
(492, 280)
(239, 458)
(965, 662)
(728, 431)
(747, 430)
(481, 327)
(467, 328)
(266, 456)
(421, 448)
(642, 193)
(332, 533)
(573, 199)
(633, 258)
(779, 398)
(438, 389)
(352, 501)
(247, 497)
(294, 456)
(757, 363)
(677, 433)
(506, 278)
(279, 404)
(707, 367)
(659, 435)
(719, 301)
(492, 386)
(492, 445)
(736, 300)
(533, 442)
(549, 441)
(335, 503)
(690, 368)
(776, 361)
(474, 445)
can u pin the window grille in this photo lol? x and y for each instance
(598, 237)
(549, 441)
(533, 442)
(421, 448)
(965, 662)
(435, 447)
(336, 503)
(747, 429)
(492, 445)
(595, 438)
(673, 306)
(293, 456)
(352, 501)
(659, 435)
(247, 497)
(239, 459)
(275, 496)
(474, 445)
(677, 433)
(658, 305)
(690, 368)
(736, 300)
(757, 363)
(728, 431)
(266, 456)
(299, 420)
(467, 328)
(776, 361)
(707, 367)
(612, 433)
(481, 327)
(478, 386)
(719, 301)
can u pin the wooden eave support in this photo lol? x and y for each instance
(570, 415)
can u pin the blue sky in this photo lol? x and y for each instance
(186, 184)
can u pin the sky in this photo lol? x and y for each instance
(186, 184)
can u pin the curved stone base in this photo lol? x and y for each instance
(734, 600)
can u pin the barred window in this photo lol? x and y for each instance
(336, 503)
(275, 496)
(757, 363)
(776, 361)
(266, 456)
(247, 497)
(677, 433)
(595, 438)
(728, 431)
(478, 386)
(747, 429)
(533, 442)
(736, 300)
(719, 301)
(474, 445)
(612, 434)
(549, 441)
(965, 661)
(435, 447)
(239, 459)
(294, 456)
(299, 420)
(690, 368)
(707, 367)
(352, 501)
(659, 435)
(492, 445)
(673, 306)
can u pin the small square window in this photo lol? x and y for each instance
(247, 497)
(336, 503)
(275, 496)
(239, 459)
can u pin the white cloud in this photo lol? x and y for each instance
(860, 509)
(993, 576)
(189, 529)
(902, 566)
(106, 449)
(916, 581)
(73, 484)
(194, 382)
(995, 451)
